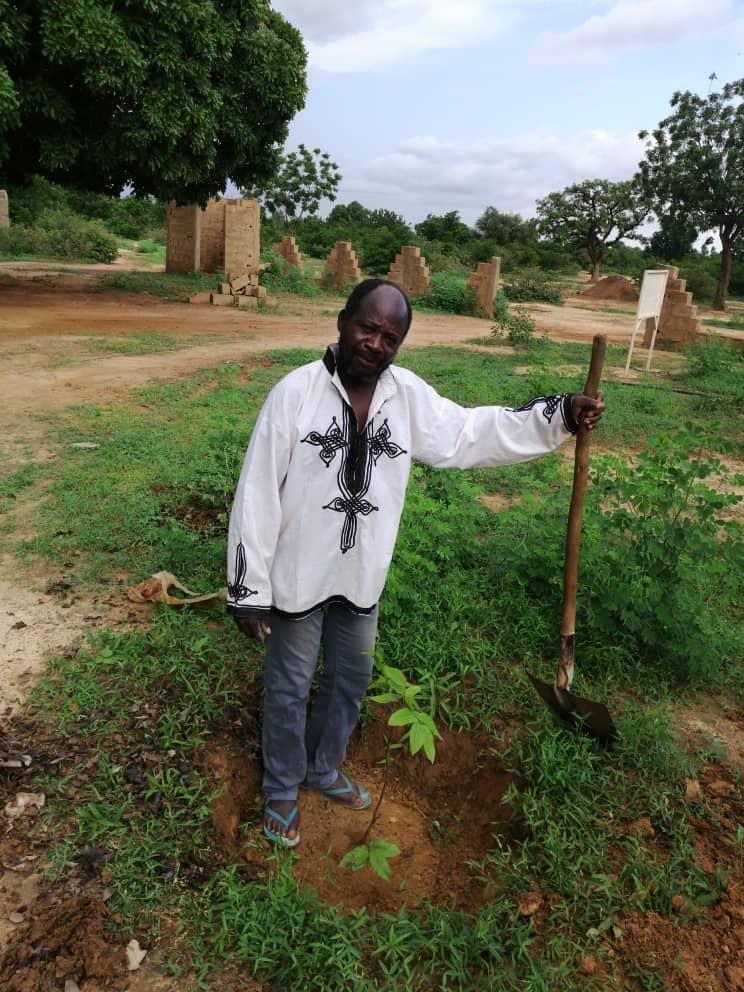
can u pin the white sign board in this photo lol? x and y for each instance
(652, 293)
(650, 302)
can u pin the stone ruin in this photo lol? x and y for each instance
(410, 271)
(679, 323)
(289, 251)
(4, 212)
(226, 234)
(342, 266)
(485, 281)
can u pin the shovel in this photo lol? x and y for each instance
(592, 717)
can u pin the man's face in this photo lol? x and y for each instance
(370, 338)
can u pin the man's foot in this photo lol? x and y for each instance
(281, 822)
(351, 794)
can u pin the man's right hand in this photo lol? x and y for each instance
(253, 627)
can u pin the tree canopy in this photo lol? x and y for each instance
(170, 97)
(694, 166)
(592, 215)
(302, 179)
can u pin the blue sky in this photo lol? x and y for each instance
(437, 105)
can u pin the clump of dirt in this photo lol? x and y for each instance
(69, 940)
(440, 816)
(703, 957)
(613, 288)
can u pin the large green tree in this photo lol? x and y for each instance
(302, 179)
(170, 97)
(592, 216)
(506, 229)
(694, 167)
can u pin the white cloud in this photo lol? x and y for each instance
(348, 38)
(426, 175)
(632, 24)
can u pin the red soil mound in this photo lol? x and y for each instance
(613, 288)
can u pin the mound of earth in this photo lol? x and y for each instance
(613, 288)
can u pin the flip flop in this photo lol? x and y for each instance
(285, 821)
(350, 789)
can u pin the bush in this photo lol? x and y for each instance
(700, 283)
(531, 285)
(448, 294)
(59, 234)
(284, 278)
(516, 327)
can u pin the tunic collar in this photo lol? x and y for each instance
(386, 386)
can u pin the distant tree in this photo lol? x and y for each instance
(169, 97)
(447, 228)
(302, 179)
(694, 165)
(592, 215)
(505, 229)
(674, 239)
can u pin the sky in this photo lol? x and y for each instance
(429, 106)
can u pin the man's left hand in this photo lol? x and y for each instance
(588, 411)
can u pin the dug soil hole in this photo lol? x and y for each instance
(443, 817)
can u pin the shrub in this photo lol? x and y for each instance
(531, 285)
(516, 327)
(448, 294)
(60, 234)
(700, 283)
(284, 278)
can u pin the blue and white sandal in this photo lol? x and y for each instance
(350, 789)
(286, 822)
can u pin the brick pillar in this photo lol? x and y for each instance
(242, 237)
(679, 323)
(410, 271)
(342, 266)
(182, 248)
(485, 282)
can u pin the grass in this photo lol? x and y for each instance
(472, 600)
(173, 287)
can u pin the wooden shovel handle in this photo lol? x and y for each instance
(581, 465)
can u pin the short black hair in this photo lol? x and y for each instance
(364, 288)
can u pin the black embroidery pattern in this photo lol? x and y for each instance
(551, 405)
(359, 453)
(236, 590)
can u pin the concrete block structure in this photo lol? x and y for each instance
(679, 324)
(4, 212)
(410, 271)
(289, 251)
(342, 266)
(226, 234)
(485, 281)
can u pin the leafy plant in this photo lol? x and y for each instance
(419, 735)
(516, 327)
(531, 285)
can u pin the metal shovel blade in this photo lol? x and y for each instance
(584, 713)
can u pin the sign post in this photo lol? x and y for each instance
(649, 305)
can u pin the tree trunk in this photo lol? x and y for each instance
(595, 269)
(719, 303)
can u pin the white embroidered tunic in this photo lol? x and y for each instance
(318, 503)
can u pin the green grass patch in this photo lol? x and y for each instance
(473, 599)
(174, 287)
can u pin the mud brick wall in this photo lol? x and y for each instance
(4, 214)
(242, 236)
(679, 323)
(342, 266)
(182, 250)
(212, 220)
(289, 251)
(485, 282)
(410, 271)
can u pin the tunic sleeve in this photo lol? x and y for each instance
(445, 435)
(256, 515)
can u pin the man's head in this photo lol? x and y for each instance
(371, 328)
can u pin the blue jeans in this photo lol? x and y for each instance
(309, 751)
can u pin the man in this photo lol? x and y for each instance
(314, 523)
